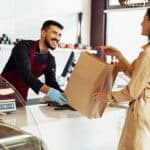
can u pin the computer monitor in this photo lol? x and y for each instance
(69, 65)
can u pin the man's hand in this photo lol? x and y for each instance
(56, 96)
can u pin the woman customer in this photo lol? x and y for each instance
(136, 131)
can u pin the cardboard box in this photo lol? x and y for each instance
(89, 76)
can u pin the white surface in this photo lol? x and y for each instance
(69, 130)
(23, 19)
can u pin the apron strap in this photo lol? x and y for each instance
(33, 51)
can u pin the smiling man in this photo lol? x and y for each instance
(30, 59)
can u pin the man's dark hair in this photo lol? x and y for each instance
(48, 23)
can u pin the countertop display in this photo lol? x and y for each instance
(66, 129)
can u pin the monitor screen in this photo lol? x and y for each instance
(69, 64)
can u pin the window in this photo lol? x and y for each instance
(123, 30)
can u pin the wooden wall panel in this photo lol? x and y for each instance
(97, 23)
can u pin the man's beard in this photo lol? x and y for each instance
(48, 44)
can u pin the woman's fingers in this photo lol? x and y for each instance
(100, 96)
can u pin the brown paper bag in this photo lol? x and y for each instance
(89, 76)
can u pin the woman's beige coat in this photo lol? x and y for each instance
(136, 131)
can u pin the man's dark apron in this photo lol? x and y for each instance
(15, 79)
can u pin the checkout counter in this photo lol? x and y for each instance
(46, 128)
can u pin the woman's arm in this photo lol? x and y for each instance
(140, 78)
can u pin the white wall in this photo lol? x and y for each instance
(6, 17)
(86, 21)
(23, 18)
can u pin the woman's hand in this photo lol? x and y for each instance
(112, 51)
(99, 96)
